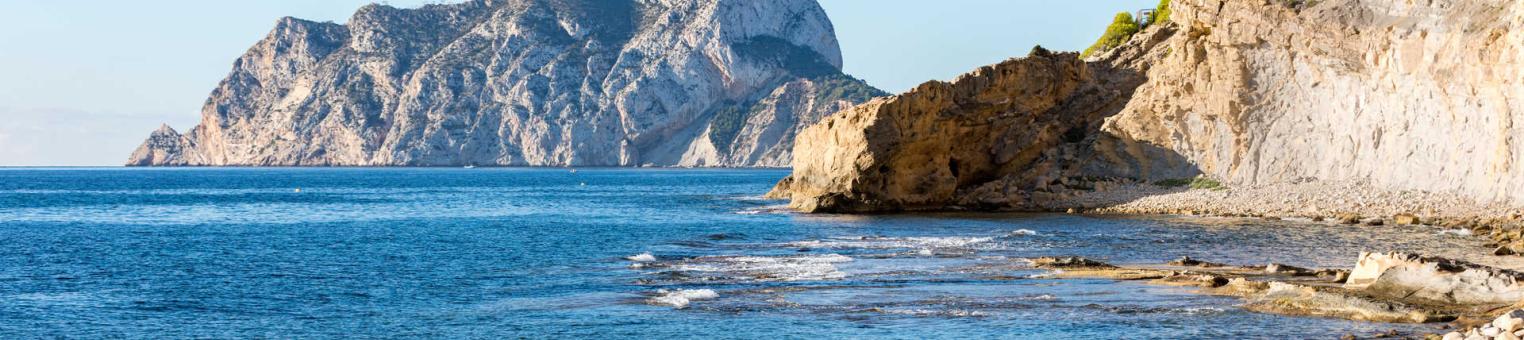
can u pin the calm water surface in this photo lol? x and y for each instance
(540, 253)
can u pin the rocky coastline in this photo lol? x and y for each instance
(1253, 94)
(1380, 287)
(1363, 113)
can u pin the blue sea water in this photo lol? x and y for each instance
(541, 253)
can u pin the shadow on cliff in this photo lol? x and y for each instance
(1088, 155)
(1092, 154)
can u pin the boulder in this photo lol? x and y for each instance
(1405, 219)
(1510, 322)
(1350, 219)
(1504, 250)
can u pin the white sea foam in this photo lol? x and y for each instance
(769, 209)
(765, 268)
(643, 257)
(683, 297)
(1023, 232)
(867, 242)
(958, 313)
(1042, 297)
(1054, 273)
(1456, 232)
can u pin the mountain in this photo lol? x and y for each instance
(525, 83)
(1397, 95)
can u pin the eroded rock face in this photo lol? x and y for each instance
(1002, 128)
(1415, 95)
(1435, 279)
(1405, 95)
(526, 83)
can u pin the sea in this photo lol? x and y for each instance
(537, 253)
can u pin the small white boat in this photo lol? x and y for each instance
(470, 167)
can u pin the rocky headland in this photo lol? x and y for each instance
(525, 83)
(1393, 111)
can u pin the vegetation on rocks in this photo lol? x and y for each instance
(1161, 14)
(845, 87)
(1193, 183)
(1121, 29)
(831, 88)
(726, 124)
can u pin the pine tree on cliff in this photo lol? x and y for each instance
(1122, 28)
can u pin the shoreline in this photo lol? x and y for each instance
(1349, 203)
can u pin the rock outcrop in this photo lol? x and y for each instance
(526, 83)
(162, 147)
(1383, 287)
(982, 139)
(1403, 95)
(1437, 280)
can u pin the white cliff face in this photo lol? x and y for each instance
(527, 83)
(1408, 95)
(1404, 95)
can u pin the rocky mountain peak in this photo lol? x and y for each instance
(528, 82)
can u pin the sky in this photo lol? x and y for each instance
(83, 82)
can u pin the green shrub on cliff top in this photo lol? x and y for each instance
(1161, 14)
(1200, 182)
(1121, 29)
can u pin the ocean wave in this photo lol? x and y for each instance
(681, 298)
(874, 242)
(767, 209)
(643, 257)
(1159, 310)
(953, 313)
(754, 268)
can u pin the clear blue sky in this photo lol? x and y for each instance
(83, 82)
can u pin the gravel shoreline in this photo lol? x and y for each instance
(1340, 202)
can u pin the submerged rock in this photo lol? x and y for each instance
(1187, 261)
(1070, 262)
(1294, 299)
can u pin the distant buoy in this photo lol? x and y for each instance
(298, 190)
(584, 184)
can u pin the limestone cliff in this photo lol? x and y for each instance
(1003, 128)
(1405, 95)
(526, 83)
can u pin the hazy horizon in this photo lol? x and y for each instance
(89, 80)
